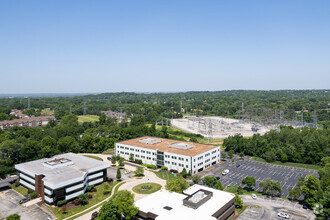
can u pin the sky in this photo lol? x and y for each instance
(77, 46)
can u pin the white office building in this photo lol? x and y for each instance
(173, 154)
(62, 177)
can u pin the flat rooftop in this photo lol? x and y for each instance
(168, 145)
(169, 205)
(61, 168)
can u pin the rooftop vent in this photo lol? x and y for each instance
(55, 163)
(149, 141)
(182, 146)
(168, 208)
(197, 197)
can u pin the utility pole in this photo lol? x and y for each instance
(70, 110)
(29, 103)
(315, 119)
(84, 108)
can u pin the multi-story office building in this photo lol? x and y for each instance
(173, 154)
(62, 177)
(196, 202)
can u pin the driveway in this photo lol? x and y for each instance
(9, 204)
(269, 207)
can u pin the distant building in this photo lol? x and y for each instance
(26, 122)
(18, 113)
(196, 202)
(194, 157)
(62, 177)
(113, 114)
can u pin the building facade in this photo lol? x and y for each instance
(173, 154)
(62, 177)
(26, 122)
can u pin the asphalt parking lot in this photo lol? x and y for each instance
(9, 204)
(288, 176)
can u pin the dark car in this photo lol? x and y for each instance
(109, 158)
(217, 177)
(305, 206)
(23, 200)
(238, 165)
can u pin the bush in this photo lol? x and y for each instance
(164, 168)
(14, 217)
(33, 195)
(30, 191)
(16, 184)
(138, 161)
(149, 166)
(90, 188)
(62, 202)
(75, 202)
(82, 199)
(173, 171)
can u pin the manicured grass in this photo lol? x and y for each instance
(83, 213)
(88, 118)
(94, 157)
(108, 151)
(48, 112)
(166, 175)
(220, 171)
(97, 197)
(20, 189)
(289, 164)
(153, 188)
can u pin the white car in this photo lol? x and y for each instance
(127, 172)
(254, 196)
(283, 215)
(225, 172)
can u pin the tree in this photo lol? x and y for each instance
(249, 181)
(139, 171)
(109, 211)
(210, 181)
(121, 162)
(241, 154)
(14, 217)
(67, 144)
(223, 155)
(231, 153)
(196, 178)
(218, 185)
(113, 161)
(184, 173)
(131, 157)
(238, 201)
(118, 176)
(271, 187)
(125, 199)
(270, 156)
(177, 185)
(102, 119)
(137, 120)
(311, 190)
(193, 139)
(294, 193)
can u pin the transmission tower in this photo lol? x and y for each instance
(70, 109)
(315, 119)
(84, 108)
(29, 103)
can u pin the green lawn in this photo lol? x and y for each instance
(94, 157)
(108, 151)
(166, 175)
(83, 213)
(48, 112)
(289, 164)
(88, 118)
(139, 188)
(97, 197)
(20, 189)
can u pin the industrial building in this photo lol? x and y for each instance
(196, 202)
(62, 177)
(176, 155)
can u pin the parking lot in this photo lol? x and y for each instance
(287, 176)
(9, 204)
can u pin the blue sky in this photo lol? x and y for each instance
(163, 46)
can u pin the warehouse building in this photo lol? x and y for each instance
(196, 202)
(176, 155)
(62, 177)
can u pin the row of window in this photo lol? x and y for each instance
(137, 150)
(174, 163)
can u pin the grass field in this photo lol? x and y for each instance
(48, 112)
(94, 157)
(289, 164)
(166, 175)
(87, 118)
(154, 187)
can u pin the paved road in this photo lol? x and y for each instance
(271, 206)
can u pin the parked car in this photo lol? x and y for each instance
(109, 158)
(305, 206)
(127, 172)
(283, 215)
(23, 200)
(238, 165)
(254, 196)
(217, 177)
(225, 172)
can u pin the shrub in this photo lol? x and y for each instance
(16, 184)
(14, 217)
(30, 191)
(150, 166)
(33, 195)
(90, 188)
(164, 168)
(173, 171)
(138, 161)
(82, 199)
(75, 202)
(61, 202)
